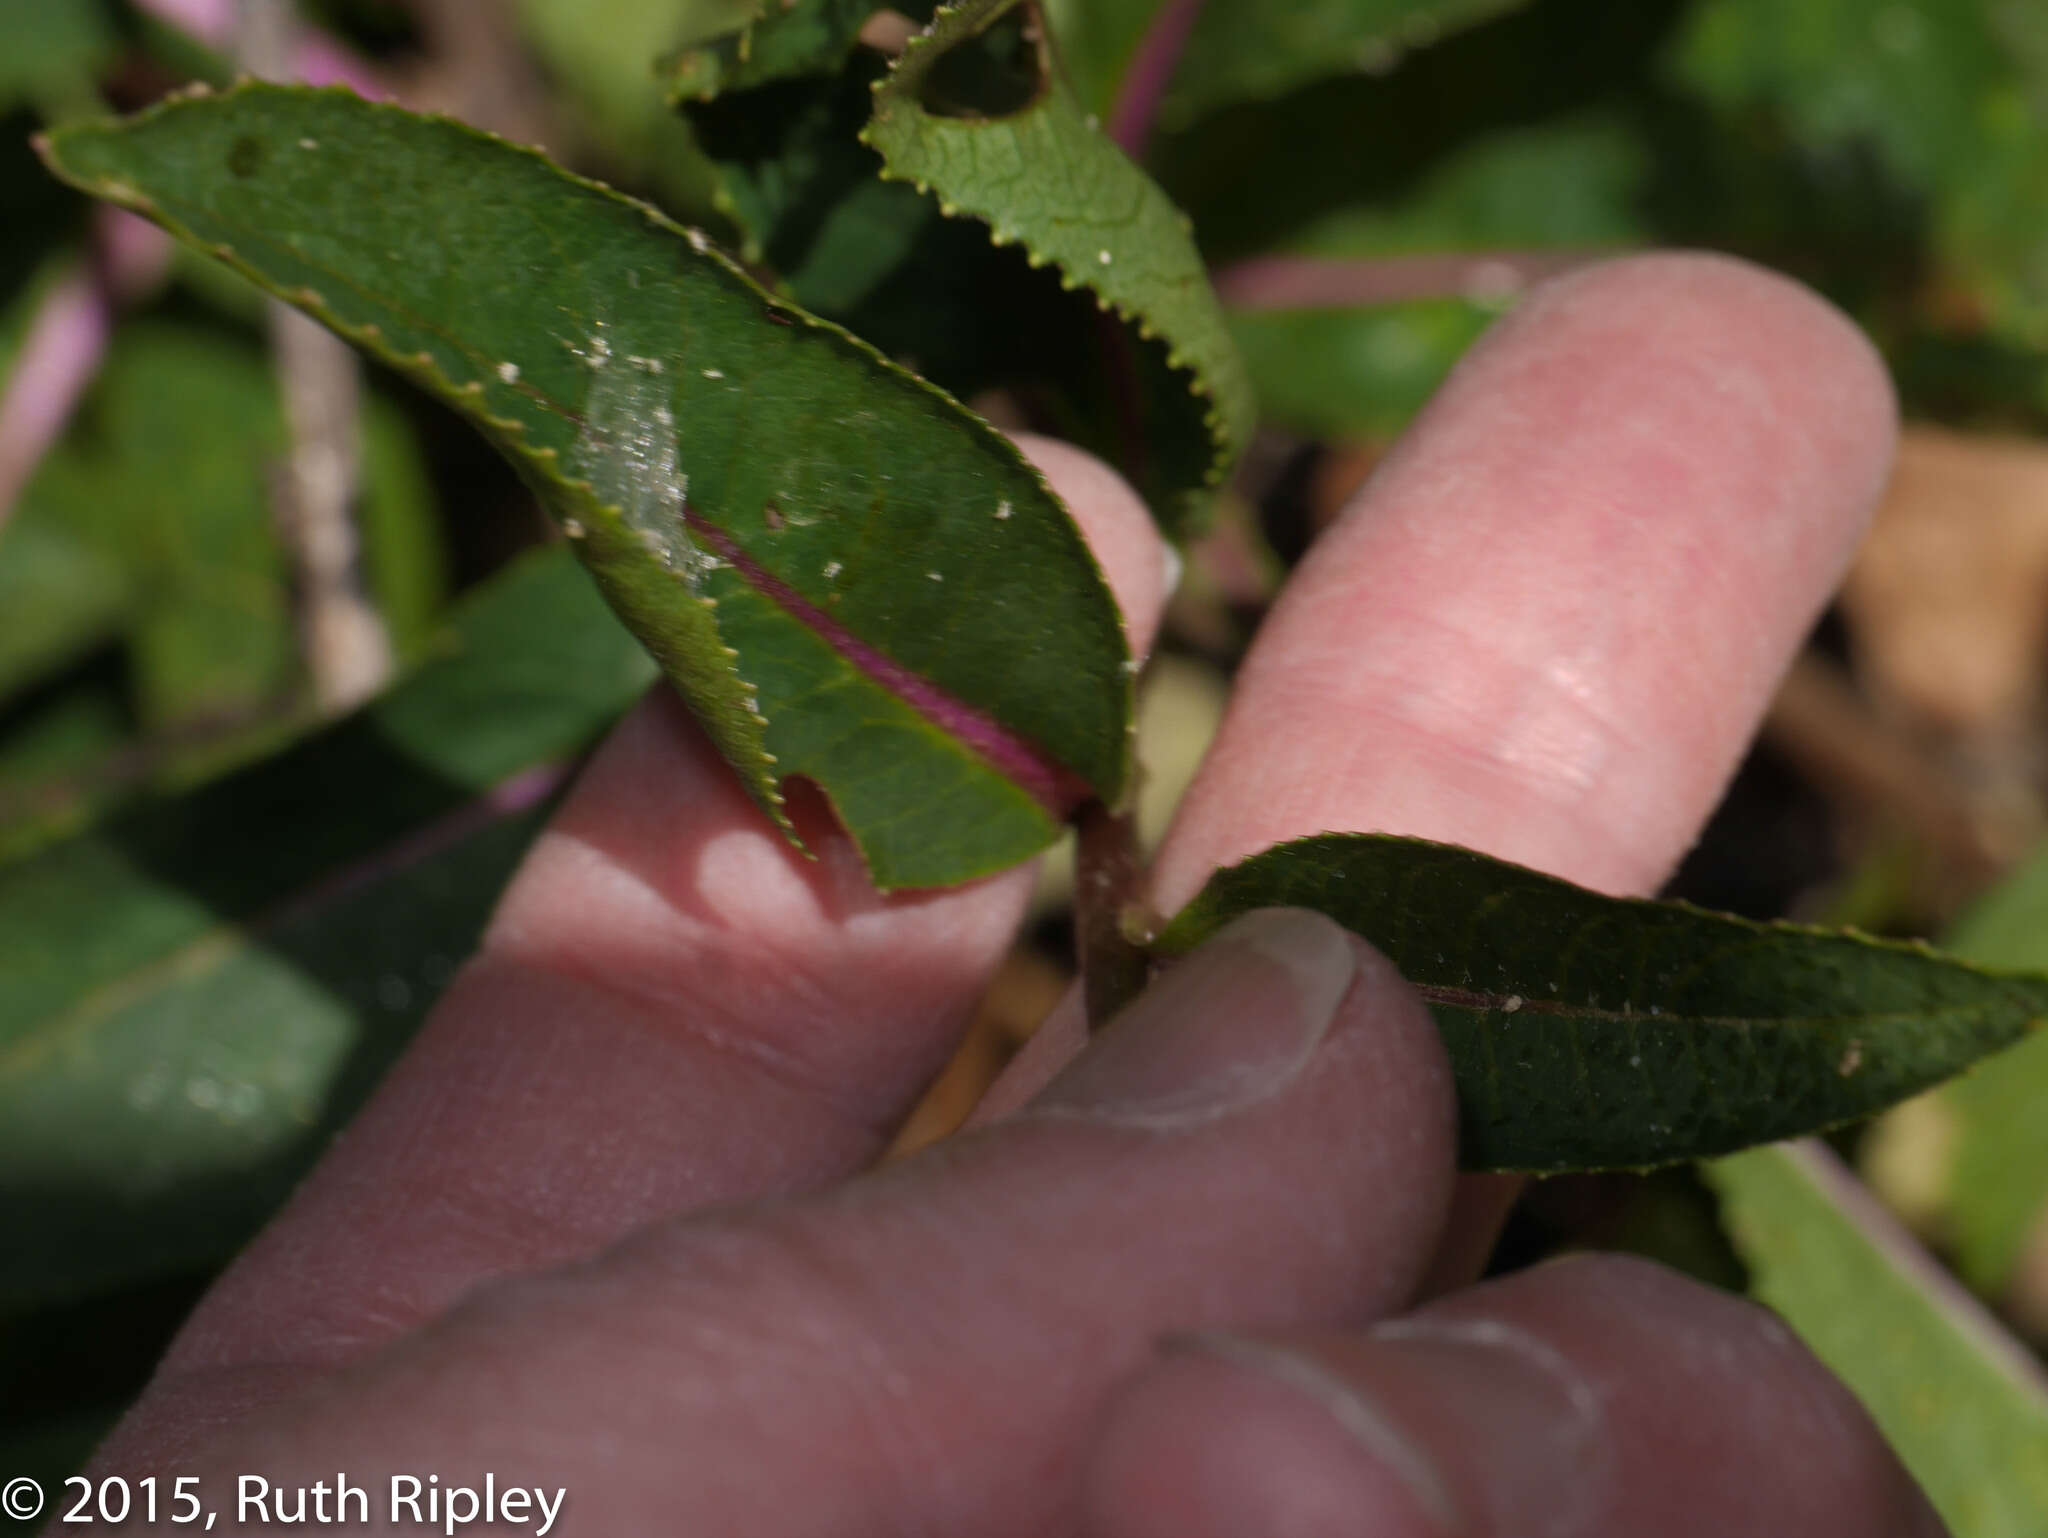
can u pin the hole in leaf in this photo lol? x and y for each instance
(996, 74)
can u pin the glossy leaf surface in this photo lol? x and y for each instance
(849, 576)
(1593, 1032)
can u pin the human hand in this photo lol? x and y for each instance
(606, 1227)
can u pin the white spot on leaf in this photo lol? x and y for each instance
(509, 372)
(627, 450)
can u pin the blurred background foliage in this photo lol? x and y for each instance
(226, 899)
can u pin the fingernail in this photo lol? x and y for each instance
(1488, 1429)
(1234, 1023)
(1515, 1428)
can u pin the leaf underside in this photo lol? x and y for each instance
(1593, 1032)
(652, 395)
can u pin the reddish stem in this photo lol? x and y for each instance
(1057, 789)
(1331, 283)
(1151, 71)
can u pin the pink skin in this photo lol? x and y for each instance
(605, 1227)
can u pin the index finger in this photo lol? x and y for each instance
(671, 1008)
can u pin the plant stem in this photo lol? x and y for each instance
(1113, 970)
(1150, 72)
(347, 652)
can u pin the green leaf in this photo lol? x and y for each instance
(60, 594)
(53, 51)
(1241, 52)
(1245, 52)
(151, 525)
(1964, 1405)
(1951, 95)
(1592, 1032)
(600, 55)
(196, 994)
(785, 42)
(170, 466)
(975, 112)
(1996, 1179)
(1363, 369)
(1358, 372)
(849, 576)
(805, 193)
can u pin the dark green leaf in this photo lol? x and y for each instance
(1964, 1404)
(1238, 52)
(1591, 1032)
(866, 586)
(975, 112)
(1951, 96)
(193, 996)
(779, 42)
(805, 193)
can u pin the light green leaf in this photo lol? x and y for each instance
(1964, 1405)
(976, 112)
(804, 192)
(1592, 1032)
(1995, 1184)
(1951, 95)
(194, 995)
(849, 576)
(1357, 372)
(601, 56)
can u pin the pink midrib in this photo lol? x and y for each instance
(1058, 789)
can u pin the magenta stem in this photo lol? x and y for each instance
(1331, 283)
(1151, 71)
(1055, 788)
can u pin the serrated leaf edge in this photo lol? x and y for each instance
(1199, 382)
(422, 367)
